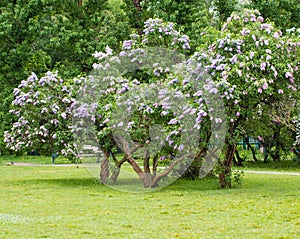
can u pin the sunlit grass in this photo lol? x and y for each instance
(67, 202)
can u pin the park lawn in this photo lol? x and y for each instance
(33, 159)
(283, 165)
(67, 202)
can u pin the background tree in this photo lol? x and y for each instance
(192, 17)
(37, 36)
(285, 14)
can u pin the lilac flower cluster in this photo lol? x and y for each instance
(156, 30)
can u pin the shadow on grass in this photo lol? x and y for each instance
(181, 185)
(64, 182)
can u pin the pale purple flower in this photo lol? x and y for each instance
(239, 73)
(173, 121)
(233, 59)
(130, 124)
(280, 91)
(213, 90)
(260, 19)
(263, 66)
(265, 86)
(218, 120)
(245, 32)
(54, 121)
(224, 75)
(108, 51)
(266, 42)
(122, 53)
(259, 138)
(268, 51)
(184, 39)
(64, 115)
(99, 55)
(259, 90)
(173, 81)
(253, 18)
(288, 74)
(127, 45)
(66, 100)
(292, 88)
(180, 148)
(251, 54)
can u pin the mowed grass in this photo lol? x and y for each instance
(67, 202)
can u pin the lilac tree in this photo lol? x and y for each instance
(254, 66)
(152, 104)
(43, 108)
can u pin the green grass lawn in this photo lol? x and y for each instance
(67, 202)
(284, 165)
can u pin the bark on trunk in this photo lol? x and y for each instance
(138, 19)
(252, 151)
(104, 171)
(168, 170)
(147, 172)
(79, 3)
(227, 164)
(116, 172)
(137, 5)
(239, 161)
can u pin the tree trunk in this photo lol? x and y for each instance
(147, 172)
(253, 151)
(138, 18)
(276, 155)
(239, 161)
(116, 171)
(104, 171)
(137, 4)
(79, 3)
(227, 164)
(168, 170)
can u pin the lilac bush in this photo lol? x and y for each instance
(253, 65)
(152, 104)
(43, 107)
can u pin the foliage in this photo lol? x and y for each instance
(41, 35)
(192, 17)
(43, 107)
(253, 64)
(284, 14)
(153, 89)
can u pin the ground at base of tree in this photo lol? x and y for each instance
(67, 202)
